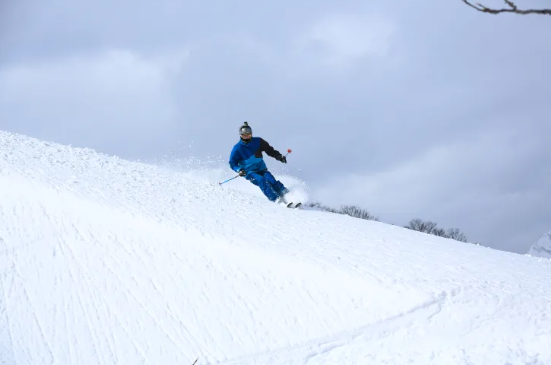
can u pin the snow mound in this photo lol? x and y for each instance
(542, 248)
(106, 261)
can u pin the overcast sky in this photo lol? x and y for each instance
(410, 109)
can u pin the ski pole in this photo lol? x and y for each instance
(220, 183)
(288, 151)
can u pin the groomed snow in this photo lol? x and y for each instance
(106, 261)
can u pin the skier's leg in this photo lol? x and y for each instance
(277, 185)
(253, 178)
(264, 185)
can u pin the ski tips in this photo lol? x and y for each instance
(293, 205)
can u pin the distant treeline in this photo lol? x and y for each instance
(416, 224)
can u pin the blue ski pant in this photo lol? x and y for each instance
(271, 187)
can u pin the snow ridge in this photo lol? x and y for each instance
(542, 248)
(106, 261)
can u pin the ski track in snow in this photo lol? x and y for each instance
(310, 350)
(106, 261)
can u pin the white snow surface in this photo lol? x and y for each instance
(542, 248)
(107, 261)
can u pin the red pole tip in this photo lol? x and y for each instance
(289, 150)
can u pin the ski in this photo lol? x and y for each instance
(295, 206)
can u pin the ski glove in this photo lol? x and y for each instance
(282, 158)
(242, 173)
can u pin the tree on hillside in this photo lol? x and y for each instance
(350, 210)
(430, 227)
(456, 234)
(512, 8)
(421, 226)
(355, 211)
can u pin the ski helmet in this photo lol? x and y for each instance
(245, 129)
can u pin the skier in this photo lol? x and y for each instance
(246, 159)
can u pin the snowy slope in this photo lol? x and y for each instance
(542, 248)
(105, 261)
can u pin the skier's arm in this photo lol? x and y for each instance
(270, 151)
(234, 161)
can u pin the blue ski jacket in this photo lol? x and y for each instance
(248, 156)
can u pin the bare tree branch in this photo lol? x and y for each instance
(512, 6)
(430, 228)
